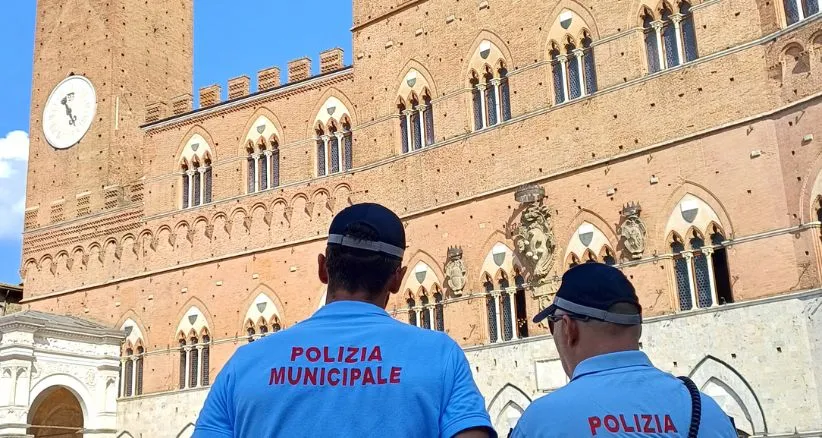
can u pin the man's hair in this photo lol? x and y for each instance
(353, 269)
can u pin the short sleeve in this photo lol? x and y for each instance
(216, 419)
(464, 405)
(715, 422)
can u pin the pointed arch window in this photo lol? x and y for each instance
(798, 10)
(194, 360)
(334, 144)
(263, 164)
(262, 328)
(196, 183)
(491, 311)
(412, 311)
(416, 122)
(670, 38)
(507, 309)
(439, 320)
(138, 364)
(701, 272)
(490, 97)
(129, 372)
(425, 314)
(573, 69)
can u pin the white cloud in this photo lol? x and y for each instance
(14, 154)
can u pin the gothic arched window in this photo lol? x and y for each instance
(798, 10)
(412, 311)
(670, 37)
(491, 311)
(426, 314)
(439, 321)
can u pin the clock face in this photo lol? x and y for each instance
(69, 112)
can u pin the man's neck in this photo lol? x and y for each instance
(360, 296)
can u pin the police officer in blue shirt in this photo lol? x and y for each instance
(350, 370)
(615, 391)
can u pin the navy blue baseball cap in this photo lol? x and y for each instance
(387, 225)
(590, 289)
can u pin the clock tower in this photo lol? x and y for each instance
(97, 63)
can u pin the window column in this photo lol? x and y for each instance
(201, 171)
(199, 365)
(680, 46)
(133, 360)
(255, 157)
(326, 155)
(188, 366)
(708, 251)
(418, 311)
(422, 108)
(563, 68)
(340, 135)
(431, 317)
(579, 53)
(191, 174)
(269, 171)
(495, 83)
(496, 294)
(512, 296)
(658, 25)
(689, 261)
(122, 377)
(483, 105)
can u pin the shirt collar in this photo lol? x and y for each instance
(353, 308)
(610, 361)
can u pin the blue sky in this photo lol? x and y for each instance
(226, 44)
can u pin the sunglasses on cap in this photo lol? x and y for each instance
(552, 319)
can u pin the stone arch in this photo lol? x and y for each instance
(509, 397)
(273, 127)
(500, 257)
(73, 385)
(130, 317)
(193, 305)
(413, 78)
(732, 392)
(581, 19)
(690, 215)
(430, 273)
(498, 52)
(699, 191)
(262, 290)
(197, 135)
(320, 113)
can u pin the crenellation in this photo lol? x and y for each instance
(210, 95)
(331, 60)
(268, 78)
(299, 70)
(156, 111)
(182, 104)
(238, 87)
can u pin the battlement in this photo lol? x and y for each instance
(238, 87)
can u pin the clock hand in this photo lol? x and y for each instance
(72, 118)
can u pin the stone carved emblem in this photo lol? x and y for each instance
(455, 270)
(632, 230)
(195, 146)
(534, 236)
(261, 129)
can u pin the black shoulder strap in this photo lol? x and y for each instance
(696, 406)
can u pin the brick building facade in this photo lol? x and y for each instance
(515, 139)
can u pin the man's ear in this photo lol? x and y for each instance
(322, 271)
(571, 329)
(395, 282)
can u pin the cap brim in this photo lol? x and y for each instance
(548, 311)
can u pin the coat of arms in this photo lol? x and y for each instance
(455, 270)
(632, 230)
(534, 235)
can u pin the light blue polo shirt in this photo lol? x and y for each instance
(620, 395)
(348, 371)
